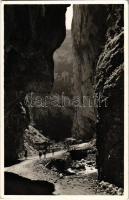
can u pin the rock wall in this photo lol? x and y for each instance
(110, 83)
(32, 34)
(88, 31)
(98, 71)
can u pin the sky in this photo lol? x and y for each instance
(69, 15)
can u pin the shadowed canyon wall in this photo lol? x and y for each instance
(30, 40)
(32, 34)
(98, 71)
(110, 82)
(88, 31)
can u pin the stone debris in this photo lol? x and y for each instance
(109, 188)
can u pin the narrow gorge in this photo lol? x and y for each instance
(32, 35)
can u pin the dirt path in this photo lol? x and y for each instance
(79, 184)
(30, 160)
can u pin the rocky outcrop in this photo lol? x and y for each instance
(18, 185)
(32, 138)
(32, 34)
(98, 71)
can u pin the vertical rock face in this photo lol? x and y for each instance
(110, 83)
(32, 34)
(88, 31)
(98, 48)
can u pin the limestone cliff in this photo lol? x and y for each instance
(88, 31)
(32, 34)
(110, 83)
(98, 49)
